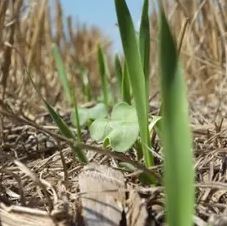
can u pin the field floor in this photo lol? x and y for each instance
(41, 181)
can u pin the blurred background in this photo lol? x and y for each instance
(28, 29)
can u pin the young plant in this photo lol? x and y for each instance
(85, 81)
(65, 130)
(136, 74)
(144, 42)
(176, 136)
(72, 100)
(86, 115)
(104, 74)
(61, 72)
(120, 131)
(118, 72)
(125, 89)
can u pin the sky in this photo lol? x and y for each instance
(101, 13)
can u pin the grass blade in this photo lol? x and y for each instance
(176, 135)
(103, 69)
(126, 85)
(59, 122)
(65, 130)
(61, 72)
(144, 41)
(136, 74)
(118, 72)
(86, 85)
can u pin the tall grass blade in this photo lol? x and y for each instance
(72, 100)
(103, 69)
(136, 74)
(61, 72)
(144, 41)
(176, 135)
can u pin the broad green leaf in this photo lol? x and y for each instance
(176, 136)
(136, 74)
(121, 130)
(96, 112)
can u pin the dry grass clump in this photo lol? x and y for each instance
(204, 48)
(28, 30)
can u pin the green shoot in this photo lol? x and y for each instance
(126, 85)
(64, 129)
(118, 72)
(177, 142)
(61, 72)
(86, 86)
(72, 100)
(104, 73)
(136, 74)
(144, 41)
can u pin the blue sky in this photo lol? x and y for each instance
(101, 13)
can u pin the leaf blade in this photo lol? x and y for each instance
(136, 74)
(178, 164)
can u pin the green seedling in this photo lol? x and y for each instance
(118, 72)
(61, 72)
(90, 114)
(126, 85)
(86, 86)
(120, 131)
(104, 74)
(65, 130)
(144, 43)
(71, 99)
(176, 136)
(136, 74)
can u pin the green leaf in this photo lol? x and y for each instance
(80, 154)
(85, 114)
(126, 85)
(85, 81)
(121, 130)
(104, 73)
(118, 71)
(136, 74)
(65, 130)
(61, 72)
(144, 40)
(176, 136)
(154, 121)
